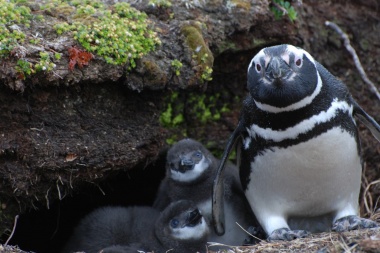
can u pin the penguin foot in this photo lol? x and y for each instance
(286, 234)
(353, 222)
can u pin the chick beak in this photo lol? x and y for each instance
(194, 218)
(186, 165)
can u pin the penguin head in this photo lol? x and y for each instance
(187, 160)
(283, 78)
(181, 223)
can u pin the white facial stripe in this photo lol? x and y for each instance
(305, 125)
(285, 57)
(195, 232)
(302, 103)
(190, 175)
(298, 52)
(257, 58)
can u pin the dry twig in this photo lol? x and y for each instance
(352, 51)
(369, 207)
(282, 9)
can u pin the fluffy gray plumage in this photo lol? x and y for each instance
(179, 228)
(190, 171)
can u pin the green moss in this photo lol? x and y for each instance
(120, 34)
(242, 4)
(12, 14)
(200, 51)
(226, 45)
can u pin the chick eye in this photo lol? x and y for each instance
(299, 62)
(258, 67)
(174, 223)
(198, 154)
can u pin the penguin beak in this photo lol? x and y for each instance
(193, 219)
(274, 68)
(185, 165)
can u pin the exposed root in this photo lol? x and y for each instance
(13, 231)
(352, 51)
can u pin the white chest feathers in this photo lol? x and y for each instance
(193, 174)
(312, 178)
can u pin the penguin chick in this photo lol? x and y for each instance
(190, 171)
(299, 147)
(179, 228)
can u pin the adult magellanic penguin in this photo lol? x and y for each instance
(300, 161)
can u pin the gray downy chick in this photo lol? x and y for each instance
(190, 172)
(180, 227)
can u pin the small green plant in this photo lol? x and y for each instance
(35, 41)
(177, 65)
(173, 115)
(207, 74)
(62, 28)
(86, 10)
(45, 63)
(57, 56)
(24, 68)
(197, 107)
(281, 8)
(40, 18)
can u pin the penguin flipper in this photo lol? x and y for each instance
(367, 120)
(218, 187)
(238, 148)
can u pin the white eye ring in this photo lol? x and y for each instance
(258, 67)
(298, 62)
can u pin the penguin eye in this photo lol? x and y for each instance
(174, 223)
(198, 154)
(258, 67)
(298, 62)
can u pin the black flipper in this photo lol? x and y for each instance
(218, 188)
(367, 120)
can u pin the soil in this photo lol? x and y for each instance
(68, 146)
